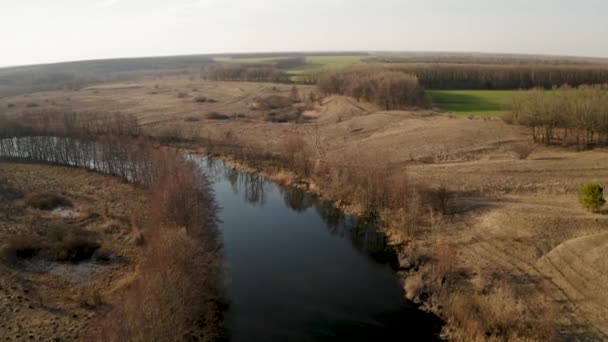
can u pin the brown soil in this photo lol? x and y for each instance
(42, 299)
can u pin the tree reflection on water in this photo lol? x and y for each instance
(363, 232)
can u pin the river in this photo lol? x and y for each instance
(298, 269)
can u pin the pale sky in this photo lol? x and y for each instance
(40, 31)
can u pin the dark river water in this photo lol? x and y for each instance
(298, 269)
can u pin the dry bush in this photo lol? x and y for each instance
(32, 105)
(441, 200)
(217, 116)
(10, 105)
(73, 249)
(499, 314)
(204, 99)
(192, 119)
(291, 115)
(168, 133)
(181, 196)
(182, 95)
(365, 179)
(61, 247)
(446, 257)
(178, 296)
(273, 102)
(297, 154)
(414, 285)
(524, 150)
(47, 201)
(19, 247)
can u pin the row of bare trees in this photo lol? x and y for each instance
(484, 76)
(389, 89)
(567, 115)
(246, 72)
(178, 294)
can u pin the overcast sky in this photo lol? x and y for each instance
(38, 31)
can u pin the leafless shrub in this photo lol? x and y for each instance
(273, 102)
(32, 105)
(217, 116)
(177, 297)
(292, 115)
(414, 285)
(441, 200)
(46, 201)
(73, 249)
(446, 256)
(62, 247)
(19, 247)
(499, 315)
(192, 119)
(182, 95)
(297, 154)
(524, 150)
(10, 105)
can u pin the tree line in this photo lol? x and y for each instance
(248, 72)
(178, 293)
(389, 89)
(564, 115)
(503, 77)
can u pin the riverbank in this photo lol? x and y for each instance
(314, 265)
(289, 179)
(474, 296)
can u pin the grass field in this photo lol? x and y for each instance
(485, 103)
(317, 63)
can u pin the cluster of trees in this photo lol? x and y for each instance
(246, 72)
(389, 89)
(482, 58)
(487, 76)
(178, 292)
(566, 114)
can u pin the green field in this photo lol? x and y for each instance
(486, 103)
(318, 63)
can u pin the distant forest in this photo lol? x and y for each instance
(75, 75)
(433, 70)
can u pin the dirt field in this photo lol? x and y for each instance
(517, 221)
(42, 298)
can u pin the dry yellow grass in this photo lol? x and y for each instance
(56, 300)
